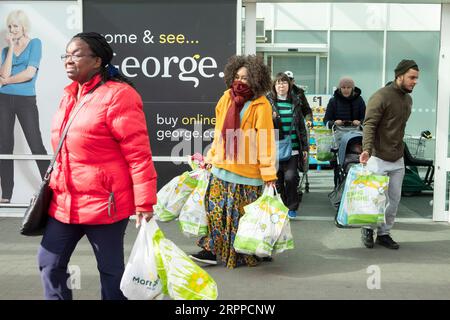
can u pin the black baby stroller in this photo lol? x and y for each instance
(350, 147)
(338, 134)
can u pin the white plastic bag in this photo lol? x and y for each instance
(140, 280)
(182, 278)
(285, 241)
(173, 196)
(192, 219)
(261, 225)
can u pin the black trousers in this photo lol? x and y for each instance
(25, 108)
(287, 183)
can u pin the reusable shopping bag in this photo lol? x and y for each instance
(192, 217)
(364, 198)
(172, 197)
(140, 280)
(181, 277)
(285, 241)
(324, 143)
(261, 225)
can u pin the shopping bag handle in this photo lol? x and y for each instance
(272, 189)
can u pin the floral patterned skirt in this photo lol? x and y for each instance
(225, 202)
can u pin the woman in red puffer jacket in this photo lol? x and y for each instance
(104, 172)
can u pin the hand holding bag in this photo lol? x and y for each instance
(140, 280)
(36, 215)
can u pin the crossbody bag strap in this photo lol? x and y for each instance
(66, 129)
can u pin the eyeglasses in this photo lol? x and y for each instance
(281, 83)
(74, 57)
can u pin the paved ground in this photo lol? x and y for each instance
(327, 263)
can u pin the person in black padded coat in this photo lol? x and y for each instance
(346, 105)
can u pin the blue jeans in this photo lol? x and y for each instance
(59, 242)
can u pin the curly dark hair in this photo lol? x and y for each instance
(258, 73)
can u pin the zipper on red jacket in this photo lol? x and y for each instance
(111, 203)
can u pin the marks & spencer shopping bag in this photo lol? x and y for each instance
(140, 280)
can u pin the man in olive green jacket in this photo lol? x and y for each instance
(384, 127)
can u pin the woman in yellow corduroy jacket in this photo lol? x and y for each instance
(242, 158)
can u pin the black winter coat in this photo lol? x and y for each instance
(342, 108)
(299, 125)
(306, 109)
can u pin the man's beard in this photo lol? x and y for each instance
(406, 89)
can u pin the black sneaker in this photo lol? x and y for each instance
(367, 237)
(386, 241)
(204, 256)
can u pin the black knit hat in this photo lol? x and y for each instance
(98, 44)
(404, 66)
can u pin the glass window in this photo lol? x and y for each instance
(358, 54)
(358, 16)
(423, 47)
(268, 34)
(303, 67)
(296, 36)
(410, 16)
(260, 27)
